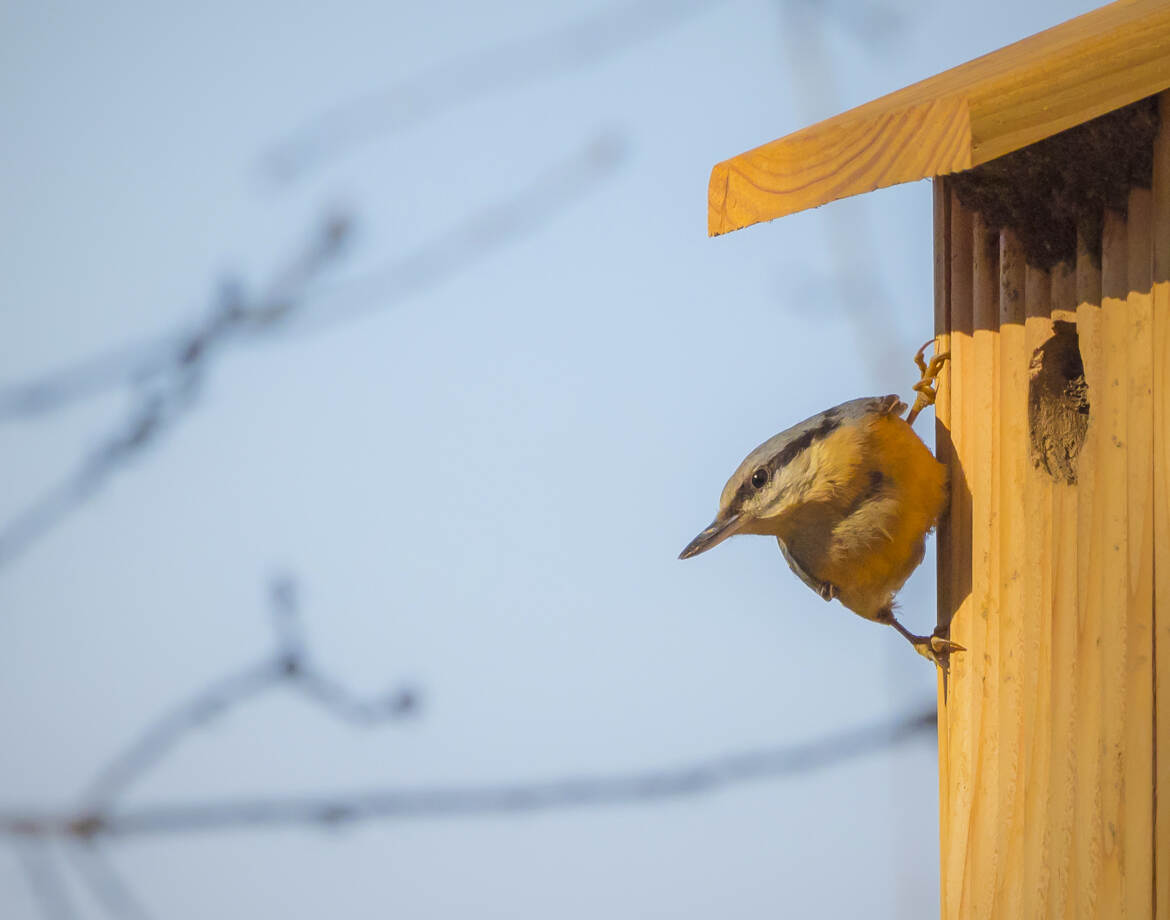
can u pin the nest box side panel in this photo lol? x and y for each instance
(1054, 561)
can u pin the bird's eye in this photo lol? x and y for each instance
(759, 478)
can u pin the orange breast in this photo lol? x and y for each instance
(880, 540)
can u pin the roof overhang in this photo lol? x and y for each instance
(956, 120)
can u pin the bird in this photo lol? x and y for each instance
(849, 494)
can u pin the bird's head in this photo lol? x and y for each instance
(772, 480)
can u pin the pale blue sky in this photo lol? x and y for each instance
(482, 484)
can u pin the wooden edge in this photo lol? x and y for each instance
(1138, 803)
(838, 158)
(1086, 672)
(955, 120)
(1160, 335)
(957, 755)
(945, 454)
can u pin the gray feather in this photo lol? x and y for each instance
(823, 588)
(782, 448)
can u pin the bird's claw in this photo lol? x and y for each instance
(827, 590)
(937, 649)
(927, 386)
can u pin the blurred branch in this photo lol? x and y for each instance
(105, 883)
(175, 363)
(472, 239)
(852, 243)
(87, 377)
(289, 666)
(44, 881)
(877, 24)
(688, 779)
(585, 42)
(166, 376)
(165, 386)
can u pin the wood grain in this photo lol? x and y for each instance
(1112, 536)
(1160, 509)
(1086, 664)
(955, 120)
(1018, 648)
(945, 535)
(956, 749)
(1062, 678)
(1051, 721)
(1045, 795)
(1136, 861)
(980, 684)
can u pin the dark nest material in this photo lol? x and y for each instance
(1052, 189)
(1058, 404)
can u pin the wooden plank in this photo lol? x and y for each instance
(1086, 664)
(836, 159)
(1112, 490)
(1063, 679)
(955, 120)
(957, 754)
(1137, 783)
(1042, 816)
(1017, 649)
(1047, 765)
(945, 454)
(1160, 344)
(981, 876)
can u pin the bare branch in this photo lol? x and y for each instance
(155, 365)
(44, 881)
(586, 42)
(474, 238)
(851, 243)
(144, 422)
(167, 384)
(88, 377)
(293, 662)
(287, 666)
(149, 366)
(689, 779)
(106, 883)
(162, 735)
(165, 389)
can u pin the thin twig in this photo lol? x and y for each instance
(164, 733)
(688, 779)
(45, 881)
(87, 377)
(166, 389)
(850, 241)
(163, 394)
(105, 883)
(475, 237)
(288, 665)
(178, 356)
(585, 42)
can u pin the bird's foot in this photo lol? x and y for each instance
(927, 386)
(827, 590)
(935, 648)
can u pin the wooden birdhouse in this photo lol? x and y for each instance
(1051, 167)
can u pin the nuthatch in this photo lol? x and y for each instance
(849, 494)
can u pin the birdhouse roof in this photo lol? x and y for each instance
(956, 120)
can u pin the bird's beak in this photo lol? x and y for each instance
(717, 531)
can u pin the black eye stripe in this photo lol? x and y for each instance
(795, 448)
(828, 422)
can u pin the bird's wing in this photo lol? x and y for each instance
(821, 588)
